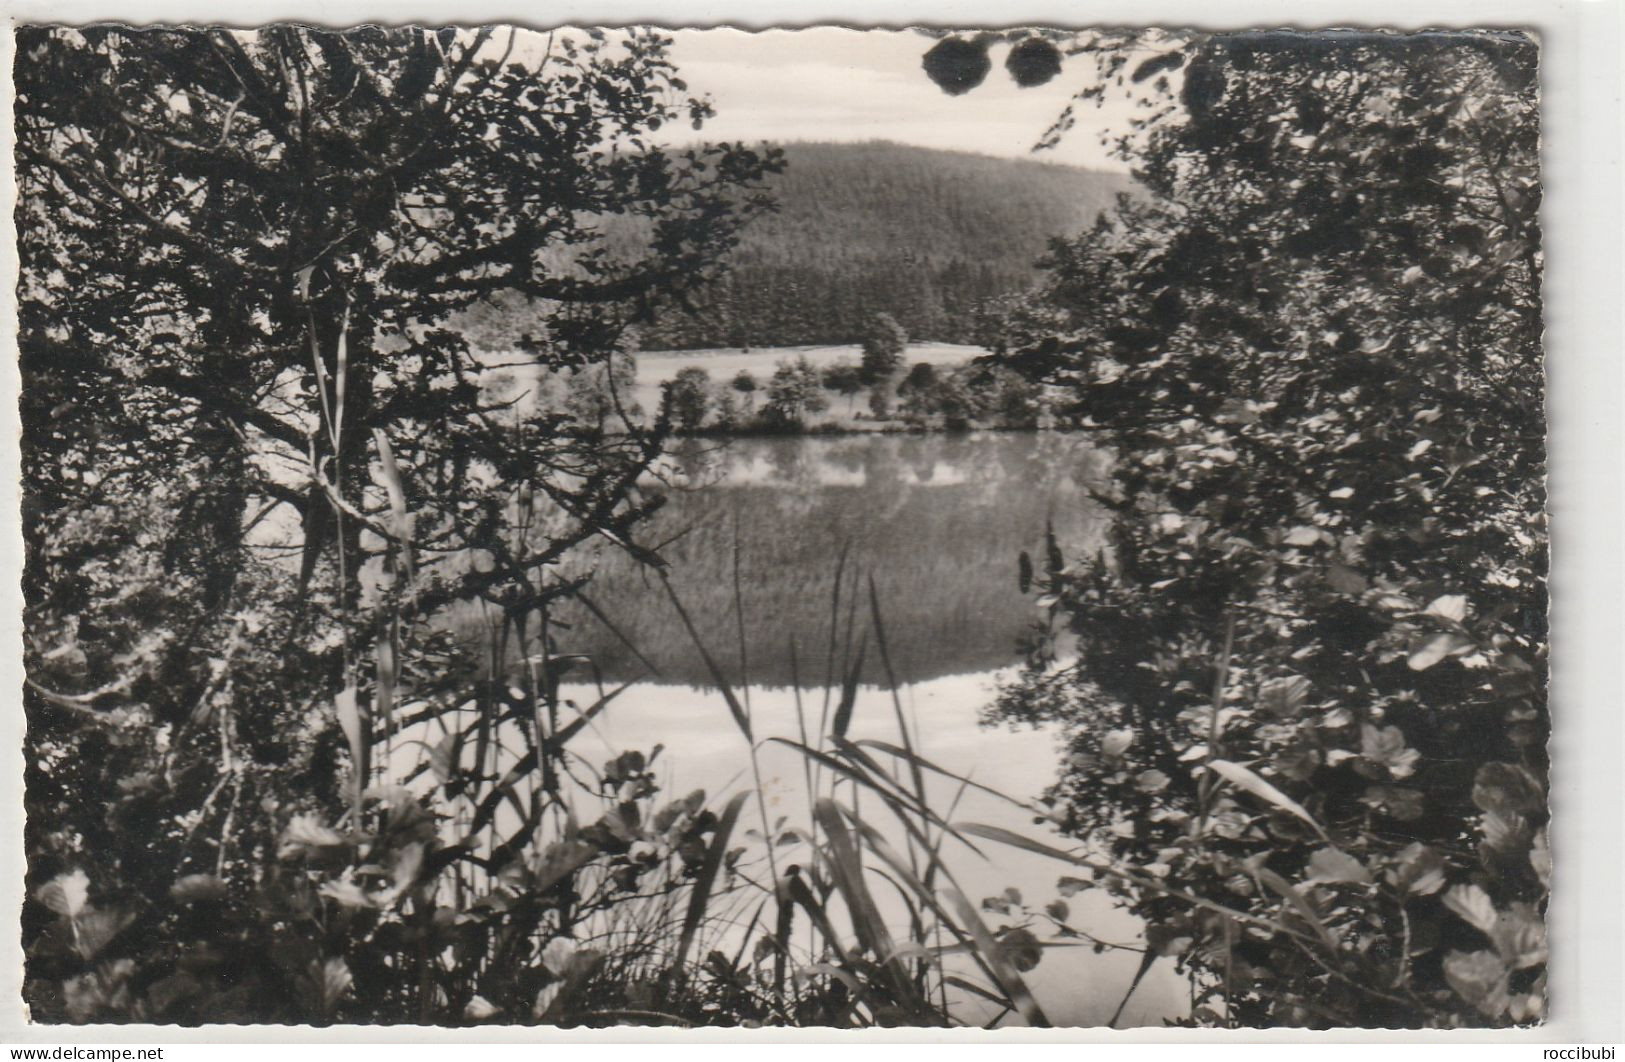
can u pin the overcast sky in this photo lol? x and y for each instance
(829, 83)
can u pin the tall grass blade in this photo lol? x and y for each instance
(918, 761)
(1004, 973)
(891, 684)
(847, 869)
(998, 833)
(1289, 892)
(342, 373)
(834, 628)
(1146, 962)
(1054, 562)
(849, 693)
(700, 892)
(1242, 778)
(610, 626)
(741, 717)
(897, 800)
(348, 710)
(739, 616)
(386, 656)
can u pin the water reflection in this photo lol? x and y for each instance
(937, 521)
(702, 749)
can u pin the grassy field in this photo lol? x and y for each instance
(656, 367)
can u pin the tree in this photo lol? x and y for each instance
(844, 379)
(689, 393)
(920, 379)
(727, 415)
(746, 385)
(1308, 683)
(884, 343)
(256, 459)
(880, 400)
(793, 393)
(598, 397)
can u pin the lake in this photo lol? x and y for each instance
(756, 532)
(937, 521)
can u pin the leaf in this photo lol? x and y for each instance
(1157, 64)
(1397, 802)
(349, 713)
(558, 955)
(849, 694)
(1284, 697)
(328, 982)
(1242, 778)
(403, 873)
(1540, 858)
(1474, 906)
(1303, 535)
(1435, 648)
(197, 888)
(443, 758)
(1480, 978)
(998, 965)
(1024, 572)
(1071, 886)
(305, 835)
(1058, 909)
(66, 894)
(399, 524)
(1507, 790)
(1450, 607)
(1345, 580)
(480, 1009)
(1116, 742)
(1520, 936)
(1152, 781)
(94, 929)
(1419, 871)
(1034, 61)
(1021, 949)
(1385, 746)
(699, 897)
(347, 894)
(735, 708)
(545, 997)
(1291, 894)
(1335, 866)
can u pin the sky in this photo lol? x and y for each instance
(829, 83)
(832, 83)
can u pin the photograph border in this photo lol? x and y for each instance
(1581, 219)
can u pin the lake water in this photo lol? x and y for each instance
(937, 522)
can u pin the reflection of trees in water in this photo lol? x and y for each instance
(937, 521)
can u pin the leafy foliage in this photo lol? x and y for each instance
(257, 462)
(884, 344)
(690, 397)
(794, 391)
(1304, 686)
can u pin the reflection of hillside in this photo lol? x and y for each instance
(937, 520)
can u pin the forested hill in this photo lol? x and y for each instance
(926, 236)
(920, 234)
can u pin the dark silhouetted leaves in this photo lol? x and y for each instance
(957, 64)
(1033, 61)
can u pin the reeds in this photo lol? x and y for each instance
(677, 913)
